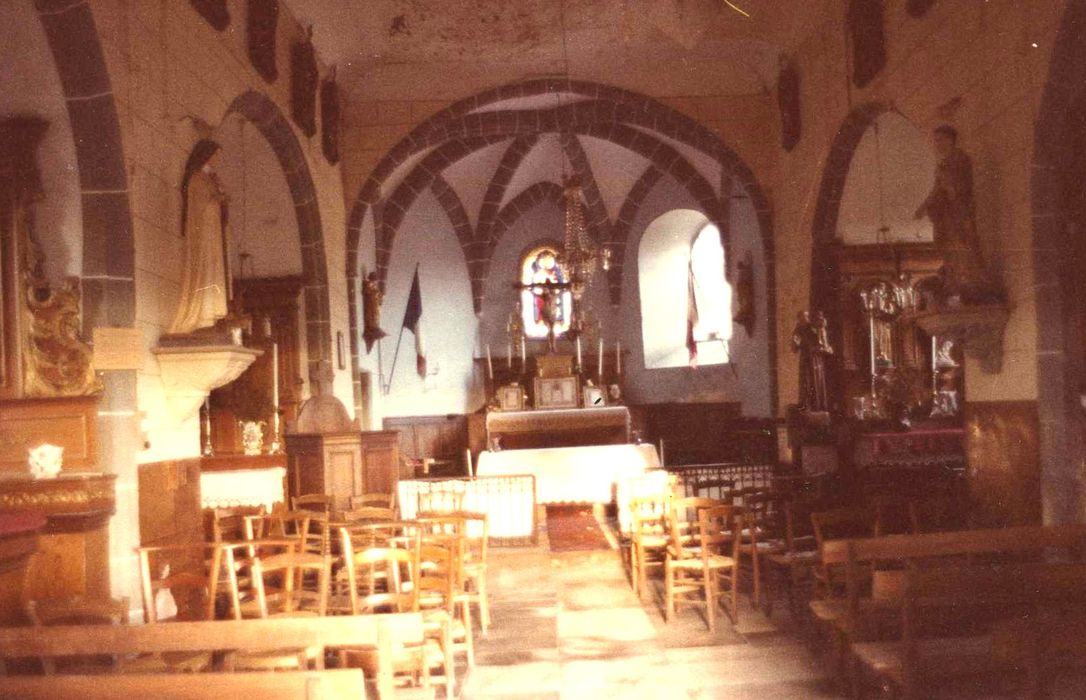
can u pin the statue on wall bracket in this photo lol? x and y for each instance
(950, 206)
(372, 297)
(203, 313)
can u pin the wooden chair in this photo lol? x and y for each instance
(365, 514)
(437, 596)
(81, 611)
(763, 534)
(177, 577)
(378, 500)
(289, 599)
(473, 547)
(701, 568)
(397, 571)
(648, 539)
(232, 572)
(836, 524)
(440, 501)
(178, 572)
(292, 598)
(319, 502)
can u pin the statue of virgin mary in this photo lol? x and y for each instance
(205, 278)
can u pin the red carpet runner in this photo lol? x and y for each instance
(573, 528)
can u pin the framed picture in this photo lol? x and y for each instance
(511, 397)
(556, 392)
(593, 397)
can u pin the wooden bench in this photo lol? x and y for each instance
(857, 615)
(982, 623)
(383, 632)
(267, 685)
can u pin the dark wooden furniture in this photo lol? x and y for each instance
(267, 300)
(18, 542)
(343, 464)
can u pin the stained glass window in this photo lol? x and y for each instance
(539, 303)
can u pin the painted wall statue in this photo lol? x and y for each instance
(951, 208)
(810, 339)
(372, 297)
(205, 279)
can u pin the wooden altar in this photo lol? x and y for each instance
(517, 430)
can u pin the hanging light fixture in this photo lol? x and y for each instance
(579, 257)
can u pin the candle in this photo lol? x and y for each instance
(523, 354)
(599, 369)
(489, 363)
(275, 377)
(618, 357)
(509, 355)
(578, 352)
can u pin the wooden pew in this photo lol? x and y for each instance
(855, 616)
(382, 632)
(267, 685)
(979, 622)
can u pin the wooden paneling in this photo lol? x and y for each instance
(1002, 450)
(273, 299)
(169, 494)
(438, 437)
(381, 461)
(343, 464)
(68, 421)
(707, 432)
(73, 555)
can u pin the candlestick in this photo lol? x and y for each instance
(275, 375)
(599, 369)
(275, 447)
(618, 357)
(578, 352)
(208, 449)
(489, 364)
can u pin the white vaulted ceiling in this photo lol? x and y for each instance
(409, 49)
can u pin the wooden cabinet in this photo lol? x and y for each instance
(343, 464)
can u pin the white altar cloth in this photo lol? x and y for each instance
(585, 474)
(242, 487)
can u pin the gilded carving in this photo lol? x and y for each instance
(56, 361)
(82, 493)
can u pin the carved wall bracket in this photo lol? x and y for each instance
(979, 329)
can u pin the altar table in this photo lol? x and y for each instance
(585, 474)
(242, 487)
(520, 430)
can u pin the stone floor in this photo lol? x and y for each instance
(567, 625)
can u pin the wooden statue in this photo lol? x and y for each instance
(372, 297)
(950, 207)
(810, 339)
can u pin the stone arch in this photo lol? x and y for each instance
(827, 206)
(495, 192)
(109, 297)
(266, 116)
(605, 112)
(1060, 371)
(620, 232)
